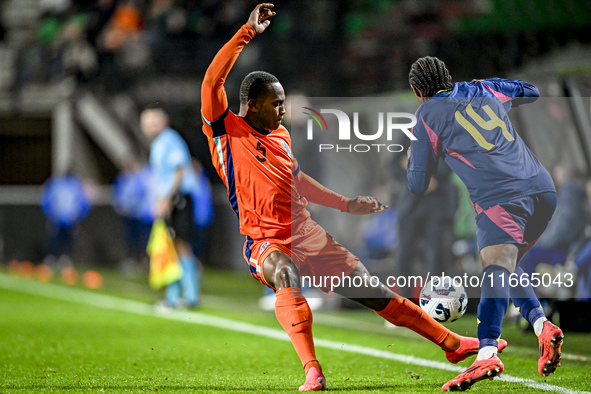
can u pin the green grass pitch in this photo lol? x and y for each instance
(55, 338)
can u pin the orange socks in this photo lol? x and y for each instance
(402, 312)
(295, 316)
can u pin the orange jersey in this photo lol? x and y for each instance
(256, 166)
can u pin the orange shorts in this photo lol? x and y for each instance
(313, 250)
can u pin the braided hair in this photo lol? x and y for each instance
(429, 75)
(254, 84)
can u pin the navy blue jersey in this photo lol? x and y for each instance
(469, 128)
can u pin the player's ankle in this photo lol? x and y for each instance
(487, 352)
(539, 325)
(451, 343)
(310, 364)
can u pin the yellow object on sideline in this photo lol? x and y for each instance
(165, 267)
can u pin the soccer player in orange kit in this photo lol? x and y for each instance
(268, 191)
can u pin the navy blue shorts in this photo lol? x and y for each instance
(520, 221)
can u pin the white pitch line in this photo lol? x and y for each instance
(85, 297)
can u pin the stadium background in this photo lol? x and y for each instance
(75, 74)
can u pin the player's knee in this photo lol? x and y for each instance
(280, 271)
(286, 275)
(504, 255)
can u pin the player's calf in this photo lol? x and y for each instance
(365, 289)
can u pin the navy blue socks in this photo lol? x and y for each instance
(494, 301)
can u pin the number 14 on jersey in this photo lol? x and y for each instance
(488, 125)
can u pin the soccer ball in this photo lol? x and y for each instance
(443, 300)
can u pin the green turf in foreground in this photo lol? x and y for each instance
(49, 345)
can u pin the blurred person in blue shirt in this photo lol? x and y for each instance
(134, 197)
(203, 207)
(175, 178)
(565, 233)
(582, 258)
(65, 202)
(134, 194)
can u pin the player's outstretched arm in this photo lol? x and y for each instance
(214, 101)
(520, 92)
(422, 160)
(514, 87)
(318, 194)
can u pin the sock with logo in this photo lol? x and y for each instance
(403, 312)
(525, 300)
(494, 301)
(295, 316)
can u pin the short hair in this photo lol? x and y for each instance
(429, 75)
(254, 84)
(156, 106)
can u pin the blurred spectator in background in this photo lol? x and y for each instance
(583, 263)
(134, 198)
(425, 226)
(58, 48)
(203, 208)
(100, 15)
(118, 24)
(156, 19)
(565, 232)
(583, 259)
(29, 58)
(380, 235)
(45, 44)
(65, 203)
(78, 56)
(175, 177)
(464, 247)
(124, 24)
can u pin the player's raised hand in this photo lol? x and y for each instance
(259, 17)
(365, 205)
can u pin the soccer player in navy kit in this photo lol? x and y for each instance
(466, 124)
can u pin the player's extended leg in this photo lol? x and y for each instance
(550, 336)
(498, 262)
(402, 312)
(294, 315)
